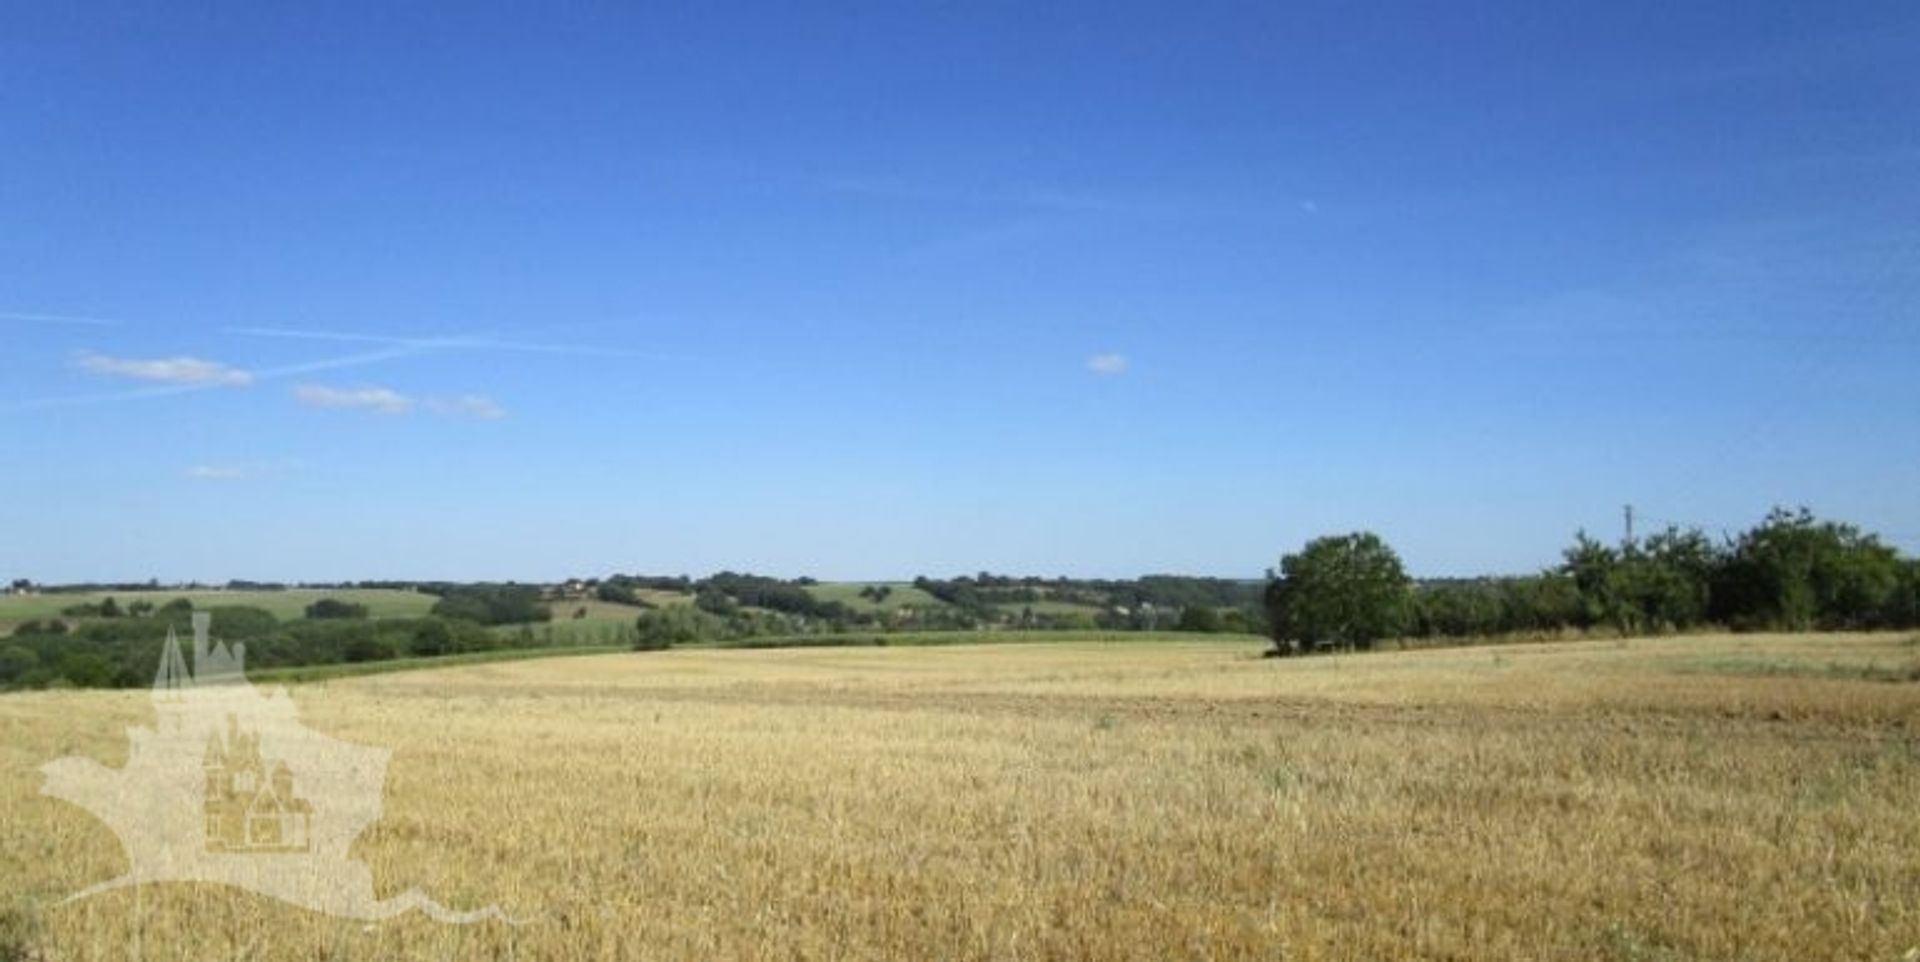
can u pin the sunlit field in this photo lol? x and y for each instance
(285, 603)
(1721, 797)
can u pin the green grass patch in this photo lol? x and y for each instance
(902, 595)
(663, 599)
(594, 610)
(287, 605)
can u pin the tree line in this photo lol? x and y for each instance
(123, 651)
(1790, 572)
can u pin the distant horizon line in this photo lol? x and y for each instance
(242, 585)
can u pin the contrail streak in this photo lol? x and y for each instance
(456, 343)
(58, 319)
(334, 363)
(392, 348)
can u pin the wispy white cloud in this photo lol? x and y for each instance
(468, 406)
(386, 400)
(169, 370)
(183, 387)
(223, 472)
(451, 343)
(58, 319)
(180, 375)
(383, 400)
(239, 470)
(1107, 365)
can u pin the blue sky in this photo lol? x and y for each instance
(477, 291)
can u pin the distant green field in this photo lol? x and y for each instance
(913, 639)
(1052, 608)
(564, 630)
(664, 599)
(287, 604)
(848, 593)
(595, 610)
(904, 594)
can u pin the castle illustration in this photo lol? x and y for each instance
(251, 808)
(209, 793)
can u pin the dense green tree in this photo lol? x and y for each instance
(676, 625)
(1345, 591)
(1544, 603)
(465, 607)
(1595, 570)
(1672, 586)
(15, 662)
(1202, 618)
(619, 593)
(369, 648)
(1658, 584)
(1460, 610)
(87, 669)
(1538, 604)
(1902, 609)
(431, 636)
(326, 608)
(239, 623)
(492, 604)
(1796, 572)
(715, 601)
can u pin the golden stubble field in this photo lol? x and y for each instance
(1723, 797)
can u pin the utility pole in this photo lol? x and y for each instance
(1629, 541)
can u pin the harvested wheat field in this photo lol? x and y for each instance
(1723, 797)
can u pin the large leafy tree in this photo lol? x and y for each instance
(1796, 572)
(1341, 591)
